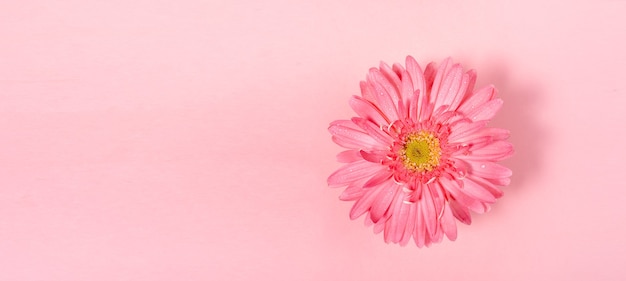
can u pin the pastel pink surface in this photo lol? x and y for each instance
(145, 140)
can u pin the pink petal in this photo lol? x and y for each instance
(478, 207)
(352, 193)
(345, 123)
(354, 171)
(403, 113)
(437, 236)
(374, 131)
(487, 207)
(464, 129)
(348, 143)
(448, 224)
(486, 111)
(367, 92)
(429, 77)
(428, 208)
(349, 156)
(354, 190)
(438, 197)
(477, 99)
(414, 107)
(475, 190)
(452, 186)
(426, 110)
(449, 87)
(419, 234)
(419, 84)
(444, 116)
(407, 93)
(365, 203)
(391, 76)
(489, 170)
(488, 185)
(467, 85)
(410, 223)
(383, 200)
(471, 84)
(395, 226)
(442, 71)
(482, 137)
(494, 151)
(378, 179)
(379, 226)
(496, 133)
(367, 110)
(385, 100)
(406, 85)
(414, 190)
(375, 156)
(416, 74)
(460, 212)
(500, 182)
(398, 69)
(381, 80)
(347, 136)
(477, 141)
(368, 221)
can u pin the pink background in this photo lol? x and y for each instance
(186, 140)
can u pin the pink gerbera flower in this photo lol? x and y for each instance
(420, 153)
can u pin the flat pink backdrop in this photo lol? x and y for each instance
(186, 140)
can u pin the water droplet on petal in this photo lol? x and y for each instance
(483, 166)
(461, 174)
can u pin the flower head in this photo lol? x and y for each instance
(420, 155)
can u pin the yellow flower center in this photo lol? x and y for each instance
(421, 152)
